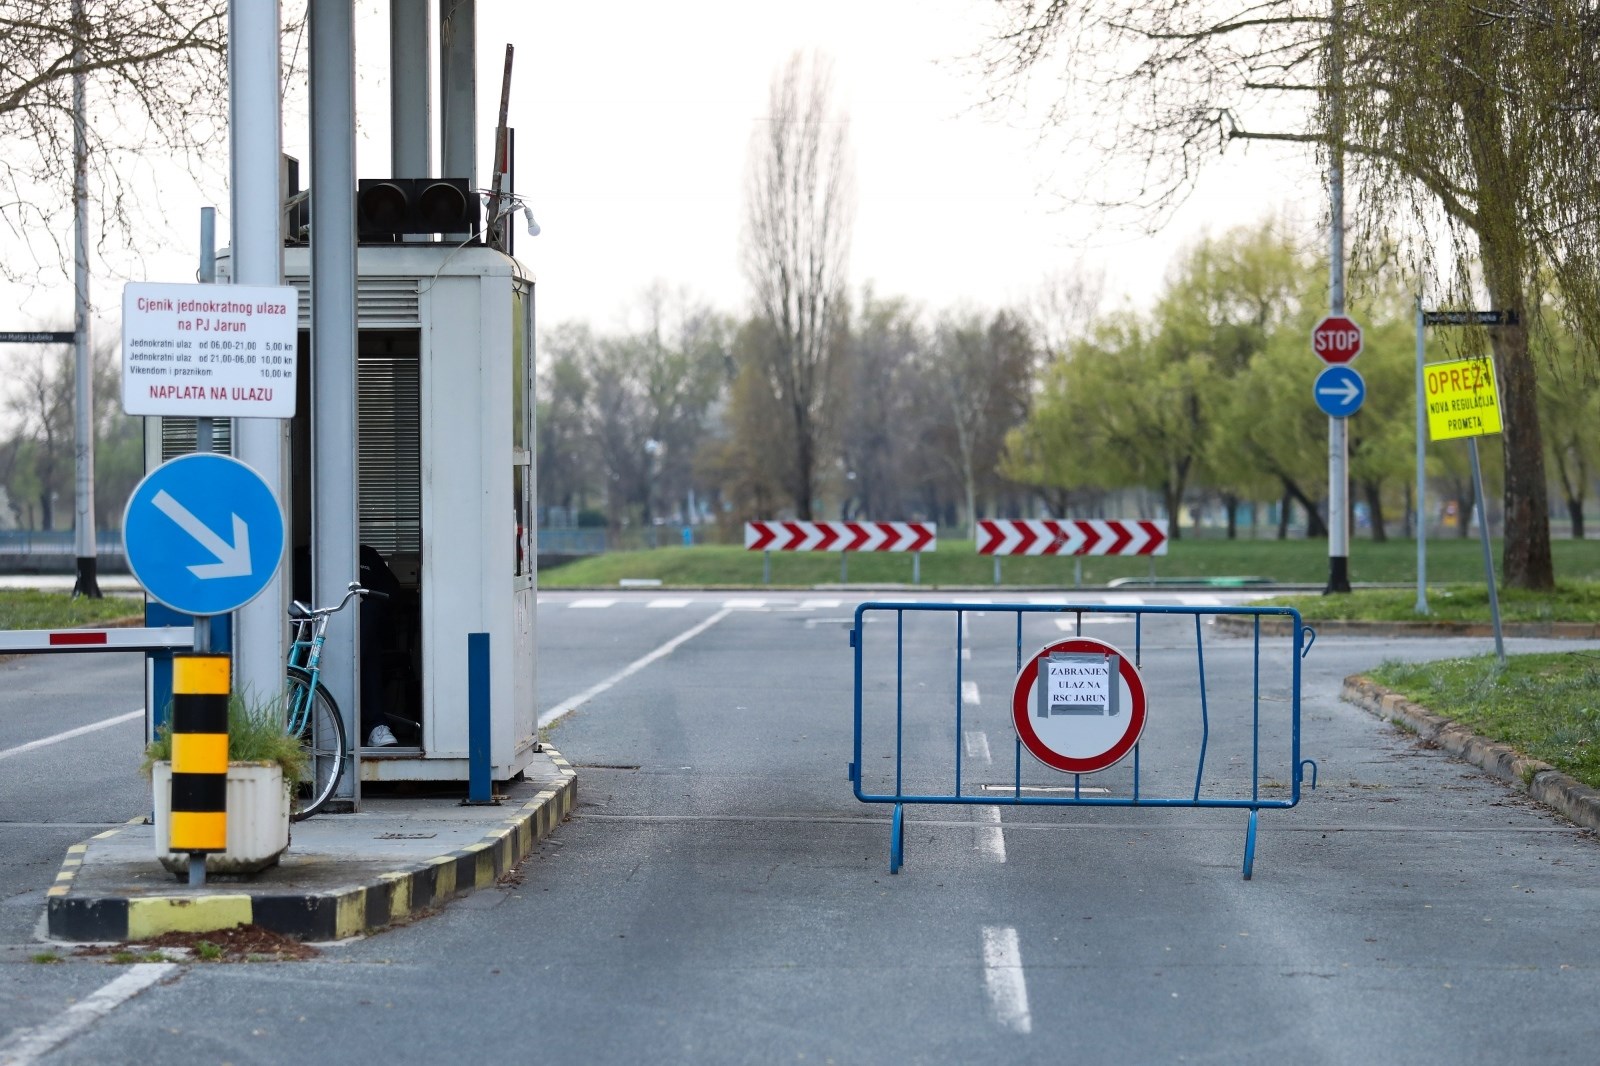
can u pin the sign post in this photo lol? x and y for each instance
(1463, 402)
(1336, 340)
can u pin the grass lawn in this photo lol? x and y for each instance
(1545, 706)
(956, 562)
(1569, 602)
(30, 609)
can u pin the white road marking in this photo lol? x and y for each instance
(978, 746)
(566, 707)
(991, 837)
(590, 601)
(969, 693)
(1084, 790)
(1070, 625)
(1002, 973)
(812, 605)
(104, 723)
(1192, 599)
(26, 1046)
(747, 605)
(671, 601)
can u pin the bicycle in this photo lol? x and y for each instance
(310, 711)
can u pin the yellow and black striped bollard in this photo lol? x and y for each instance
(200, 686)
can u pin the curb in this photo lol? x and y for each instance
(391, 897)
(1279, 626)
(1540, 780)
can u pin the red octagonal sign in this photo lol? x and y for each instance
(1336, 339)
(1078, 705)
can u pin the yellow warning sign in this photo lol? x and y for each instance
(1462, 401)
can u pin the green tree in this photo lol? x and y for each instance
(1122, 408)
(1227, 297)
(1481, 115)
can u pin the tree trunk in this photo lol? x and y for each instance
(1575, 513)
(1503, 241)
(1172, 500)
(1316, 528)
(1231, 502)
(1374, 493)
(1283, 516)
(1465, 505)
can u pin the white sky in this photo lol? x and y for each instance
(633, 120)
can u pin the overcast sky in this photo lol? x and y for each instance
(633, 122)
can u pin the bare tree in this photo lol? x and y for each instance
(796, 244)
(156, 74)
(1479, 119)
(979, 375)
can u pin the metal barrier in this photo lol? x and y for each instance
(905, 698)
(127, 638)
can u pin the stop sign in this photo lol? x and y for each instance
(1336, 339)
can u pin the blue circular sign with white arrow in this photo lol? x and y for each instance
(203, 533)
(1339, 391)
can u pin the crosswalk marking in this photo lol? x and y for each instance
(670, 601)
(591, 602)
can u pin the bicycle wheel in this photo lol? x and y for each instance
(321, 734)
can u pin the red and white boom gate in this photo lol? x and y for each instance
(129, 638)
(1056, 536)
(841, 537)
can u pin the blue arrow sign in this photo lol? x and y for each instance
(1339, 391)
(203, 533)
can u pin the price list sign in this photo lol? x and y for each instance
(209, 351)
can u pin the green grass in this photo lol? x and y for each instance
(31, 609)
(1570, 602)
(956, 562)
(1545, 706)
(255, 734)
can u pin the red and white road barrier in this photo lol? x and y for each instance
(1003, 536)
(132, 638)
(841, 536)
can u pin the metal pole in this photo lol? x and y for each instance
(335, 525)
(1421, 511)
(410, 91)
(480, 784)
(458, 91)
(1488, 557)
(83, 401)
(256, 217)
(1338, 441)
(204, 430)
(844, 567)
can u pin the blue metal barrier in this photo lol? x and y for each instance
(927, 656)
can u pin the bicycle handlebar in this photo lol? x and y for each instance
(300, 612)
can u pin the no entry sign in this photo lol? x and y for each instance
(1336, 339)
(1078, 705)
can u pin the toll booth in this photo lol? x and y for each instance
(444, 455)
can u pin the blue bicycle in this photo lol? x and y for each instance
(311, 713)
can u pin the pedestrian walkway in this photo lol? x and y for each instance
(343, 874)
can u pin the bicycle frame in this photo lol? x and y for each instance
(305, 652)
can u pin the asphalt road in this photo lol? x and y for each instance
(721, 896)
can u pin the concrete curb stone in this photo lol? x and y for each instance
(1541, 781)
(1278, 626)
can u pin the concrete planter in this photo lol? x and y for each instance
(258, 820)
